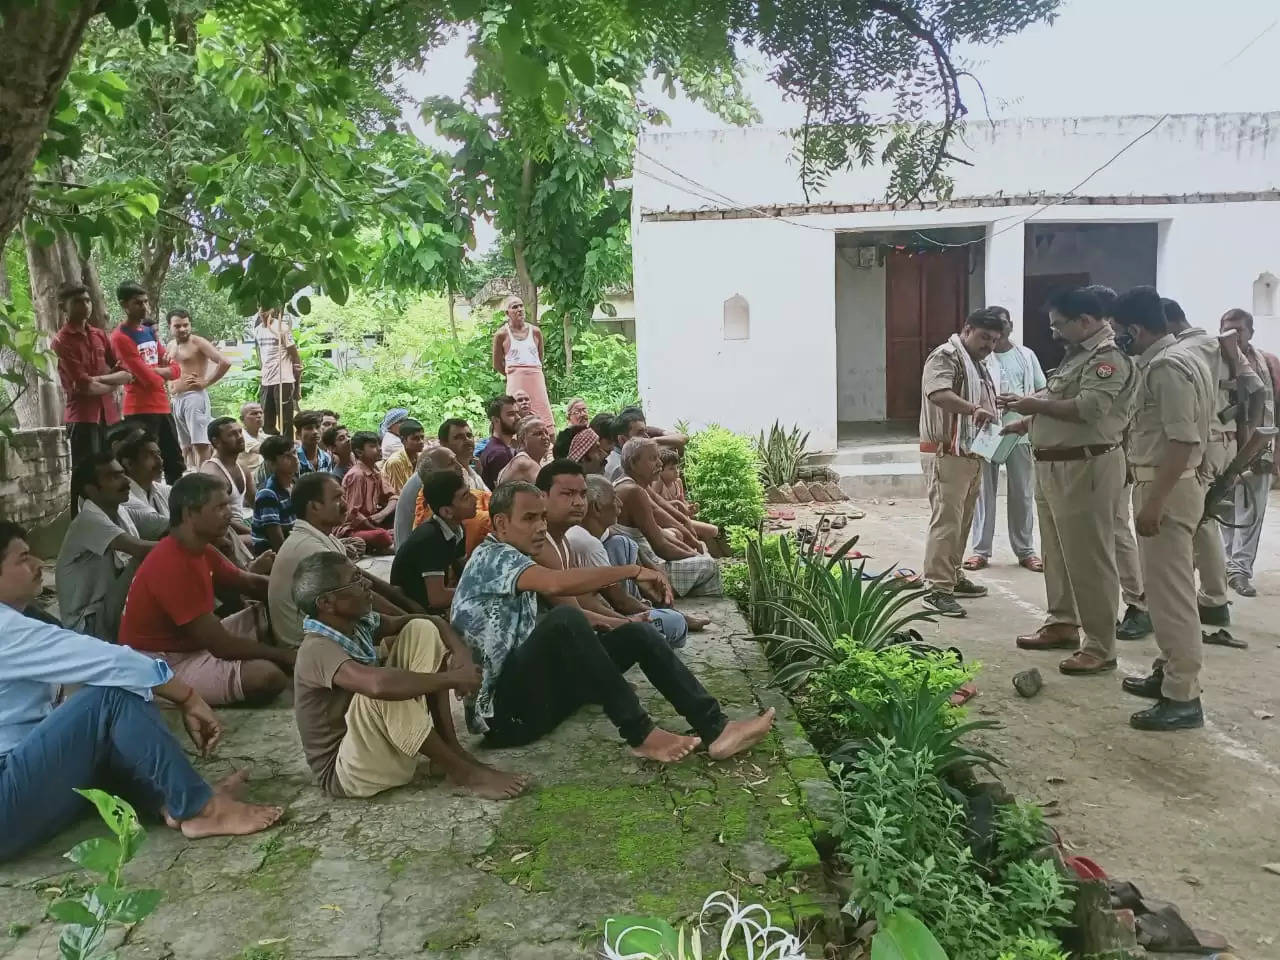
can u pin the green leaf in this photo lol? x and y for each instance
(526, 75)
(72, 911)
(304, 305)
(144, 31)
(643, 936)
(150, 201)
(118, 814)
(583, 68)
(100, 854)
(44, 237)
(121, 13)
(903, 937)
(158, 10)
(113, 79)
(136, 905)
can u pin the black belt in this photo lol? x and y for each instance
(1056, 454)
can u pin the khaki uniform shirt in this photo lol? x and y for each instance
(1205, 346)
(944, 370)
(1173, 404)
(1103, 381)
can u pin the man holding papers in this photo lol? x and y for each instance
(1076, 426)
(958, 404)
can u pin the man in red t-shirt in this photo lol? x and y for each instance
(86, 365)
(169, 611)
(146, 401)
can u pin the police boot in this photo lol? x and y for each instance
(1148, 686)
(1135, 625)
(1219, 616)
(1169, 715)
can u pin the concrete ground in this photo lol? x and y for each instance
(1190, 817)
(426, 873)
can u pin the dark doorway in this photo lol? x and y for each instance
(1064, 255)
(926, 300)
(1035, 318)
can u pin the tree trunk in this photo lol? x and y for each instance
(40, 405)
(566, 319)
(41, 39)
(453, 316)
(528, 291)
(100, 317)
(154, 257)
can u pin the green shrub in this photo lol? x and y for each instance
(735, 580)
(906, 844)
(720, 470)
(871, 677)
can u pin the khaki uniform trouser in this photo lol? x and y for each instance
(1168, 569)
(1076, 503)
(1127, 564)
(1211, 559)
(380, 749)
(953, 484)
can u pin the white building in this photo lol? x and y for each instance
(754, 305)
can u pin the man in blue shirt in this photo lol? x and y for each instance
(107, 734)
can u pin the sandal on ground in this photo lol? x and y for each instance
(976, 562)
(824, 524)
(1164, 931)
(1032, 563)
(963, 695)
(804, 534)
(839, 522)
(1223, 638)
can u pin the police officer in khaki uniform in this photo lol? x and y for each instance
(1167, 444)
(1076, 426)
(1230, 372)
(1135, 623)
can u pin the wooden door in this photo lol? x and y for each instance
(1036, 333)
(926, 298)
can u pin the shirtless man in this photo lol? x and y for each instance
(662, 540)
(191, 410)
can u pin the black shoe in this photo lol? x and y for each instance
(1148, 686)
(966, 589)
(1219, 616)
(943, 603)
(1169, 715)
(1135, 625)
(1242, 585)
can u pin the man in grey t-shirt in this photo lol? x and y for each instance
(101, 550)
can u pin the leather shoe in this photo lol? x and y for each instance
(1169, 715)
(1219, 616)
(1242, 585)
(1054, 636)
(1148, 686)
(1081, 664)
(1135, 625)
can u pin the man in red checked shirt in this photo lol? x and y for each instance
(86, 369)
(146, 401)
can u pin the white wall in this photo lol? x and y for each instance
(860, 338)
(786, 370)
(1186, 154)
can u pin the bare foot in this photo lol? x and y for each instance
(666, 747)
(696, 623)
(488, 783)
(233, 784)
(741, 735)
(226, 817)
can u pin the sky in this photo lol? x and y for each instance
(1099, 57)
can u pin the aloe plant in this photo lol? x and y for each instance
(781, 454)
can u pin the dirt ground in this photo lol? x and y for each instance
(1190, 817)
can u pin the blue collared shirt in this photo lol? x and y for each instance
(37, 657)
(323, 464)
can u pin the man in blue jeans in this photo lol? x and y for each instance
(108, 735)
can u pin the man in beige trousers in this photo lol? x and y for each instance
(958, 400)
(1229, 372)
(1167, 444)
(1077, 426)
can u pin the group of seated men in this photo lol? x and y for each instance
(526, 602)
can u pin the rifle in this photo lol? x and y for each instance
(1224, 484)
